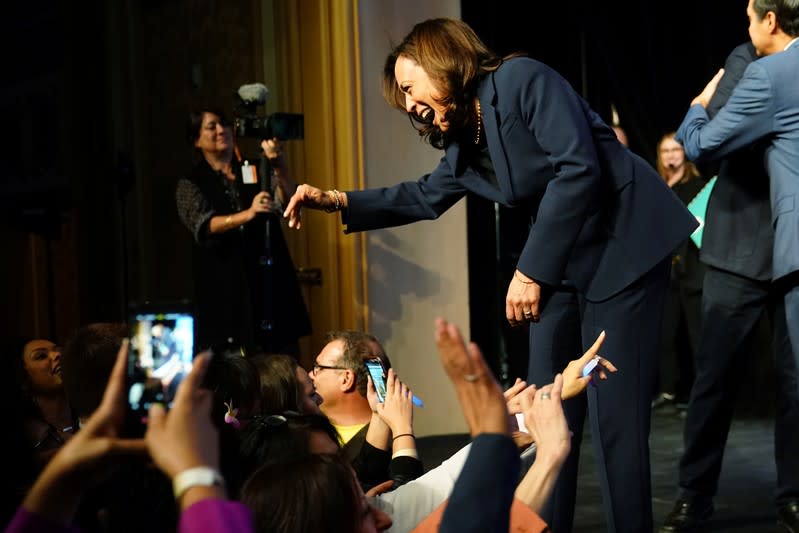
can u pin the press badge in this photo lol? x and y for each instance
(248, 175)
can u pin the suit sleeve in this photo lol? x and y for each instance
(483, 494)
(554, 113)
(425, 199)
(747, 116)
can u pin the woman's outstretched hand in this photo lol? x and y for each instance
(312, 198)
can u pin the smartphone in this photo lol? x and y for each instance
(378, 375)
(590, 367)
(160, 355)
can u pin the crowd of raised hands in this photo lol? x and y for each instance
(484, 494)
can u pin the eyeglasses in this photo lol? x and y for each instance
(317, 367)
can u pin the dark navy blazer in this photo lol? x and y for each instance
(738, 236)
(602, 217)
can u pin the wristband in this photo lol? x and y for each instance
(403, 435)
(199, 476)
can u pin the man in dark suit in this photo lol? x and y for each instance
(738, 247)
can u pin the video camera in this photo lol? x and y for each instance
(247, 122)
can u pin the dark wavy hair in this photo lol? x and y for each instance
(316, 493)
(279, 438)
(455, 59)
(280, 389)
(194, 121)
(231, 377)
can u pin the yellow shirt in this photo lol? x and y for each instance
(345, 433)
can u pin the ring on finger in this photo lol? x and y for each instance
(545, 396)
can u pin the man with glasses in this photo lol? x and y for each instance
(378, 452)
(339, 376)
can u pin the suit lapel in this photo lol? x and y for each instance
(468, 176)
(487, 96)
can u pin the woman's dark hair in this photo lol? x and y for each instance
(14, 352)
(231, 377)
(313, 493)
(280, 389)
(194, 122)
(280, 438)
(455, 59)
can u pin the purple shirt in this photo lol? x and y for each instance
(211, 516)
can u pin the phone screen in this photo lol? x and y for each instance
(375, 369)
(160, 356)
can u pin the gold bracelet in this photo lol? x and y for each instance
(516, 275)
(337, 199)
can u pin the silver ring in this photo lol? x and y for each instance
(545, 396)
(528, 314)
(471, 378)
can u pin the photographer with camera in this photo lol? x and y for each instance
(246, 288)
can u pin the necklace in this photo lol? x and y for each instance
(479, 125)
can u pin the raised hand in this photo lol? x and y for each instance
(397, 408)
(479, 393)
(573, 381)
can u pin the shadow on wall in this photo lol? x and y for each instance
(393, 277)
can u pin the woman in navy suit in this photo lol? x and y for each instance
(602, 227)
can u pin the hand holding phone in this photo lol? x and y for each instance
(378, 375)
(589, 368)
(375, 369)
(160, 356)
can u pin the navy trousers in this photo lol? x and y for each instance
(731, 307)
(619, 409)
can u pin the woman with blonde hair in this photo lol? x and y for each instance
(682, 312)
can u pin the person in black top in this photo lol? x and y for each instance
(682, 313)
(246, 288)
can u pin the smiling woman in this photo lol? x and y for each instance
(601, 225)
(45, 417)
(246, 287)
